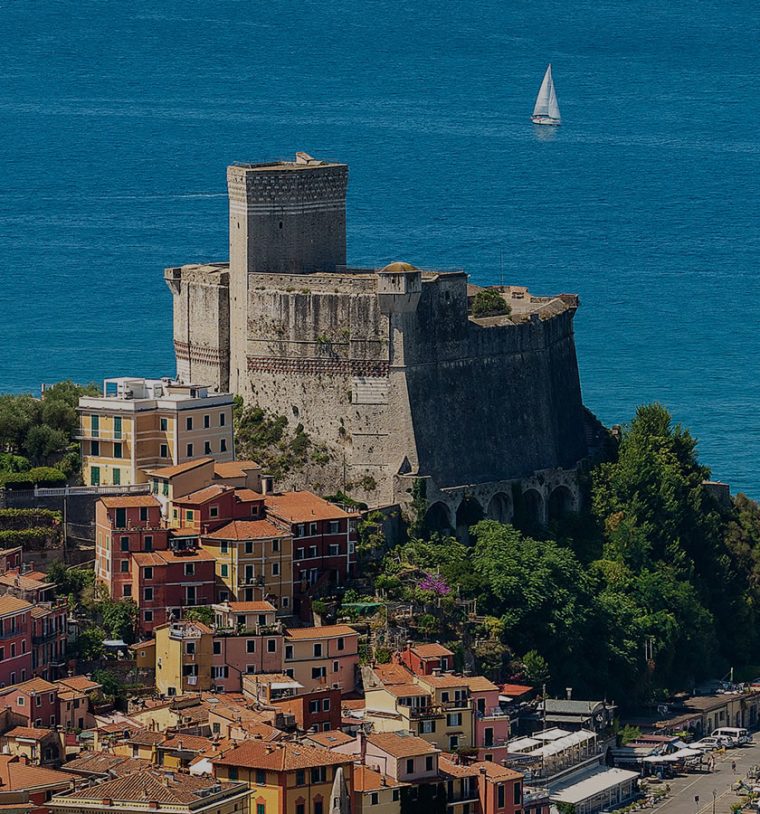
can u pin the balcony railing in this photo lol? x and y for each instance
(491, 712)
(424, 712)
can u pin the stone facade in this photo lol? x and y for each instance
(385, 367)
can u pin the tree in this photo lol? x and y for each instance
(119, 618)
(89, 644)
(536, 668)
(42, 442)
(200, 613)
(110, 685)
(488, 302)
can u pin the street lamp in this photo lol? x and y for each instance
(715, 794)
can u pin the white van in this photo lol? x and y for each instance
(739, 736)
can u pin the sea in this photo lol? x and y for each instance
(117, 120)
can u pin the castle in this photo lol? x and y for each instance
(386, 368)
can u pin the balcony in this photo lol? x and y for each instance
(9, 634)
(491, 712)
(534, 795)
(424, 712)
(50, 636)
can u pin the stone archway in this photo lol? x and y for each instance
(469, 512)
(500, 508)
(561, 503)
(438, 518)
(533, 503)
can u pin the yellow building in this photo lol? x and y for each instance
(286, 777)
(151, 790)
(254, 561)
(326, 656)
(139, 424)
(375, 793)
(184, 653)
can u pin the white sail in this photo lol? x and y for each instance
(546, 101)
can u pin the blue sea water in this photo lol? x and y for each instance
(117, 120)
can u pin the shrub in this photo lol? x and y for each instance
(37, 476)
(489, 303)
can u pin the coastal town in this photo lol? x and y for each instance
(313, 573)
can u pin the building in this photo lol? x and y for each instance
(326, 656)
(597, 790)
(184, 652)
(324, 540)
(15, 640)
(49, 638)
(35, 701)
(316, 711)
(426, 659)
(17, 774)
(254, 561)
(76, 699)
(124, 526)
(375, 793)
(43, 747)
(155, 790)
(286, 776)
(569, 713)
(377, 363)
(491, 721)
(139, 424)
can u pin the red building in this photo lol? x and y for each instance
(123, 526)
(49, 638)
(165, 582)
(324, 541)
(317, 711)
(425, 659)
(36, 701)
(10, 558)
(214, 506)
(15, 640)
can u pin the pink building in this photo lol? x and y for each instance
(49, 638)
(35, 700)
(15, 640)
(425, 659)
(491, 724)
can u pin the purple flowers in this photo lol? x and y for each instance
(435, 584)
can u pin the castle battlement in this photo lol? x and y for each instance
(386, 367)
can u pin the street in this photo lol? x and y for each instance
(685, 788)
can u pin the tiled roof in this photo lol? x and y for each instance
(18, 776)
(103, 763)
(247, 495)
(159, 558)
(187, 466)
(353, 703)
(447, 766)
(15, 580)
(392, 673)
(331, 739)
(11, 604)
(431, 651)
(151, 785)
(496, 772)
(138, 645)
(191, 743)
(400, 745)
(234, 469)
(185, 531)
(129, 501)
(31, 686)
(41, 611)
(144, 737)
(444, 681)
(515, 690)
(480, 684)
(259, 606)
(246, 530)
(31, 732)
(279, 757)
(323, 632)
(303, 507)
(366, 779)
(79, 683)
(205, 494)
(403, 690)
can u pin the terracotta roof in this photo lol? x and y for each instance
(79, 683)
(400, 745)
(444, 681)
(403, 690)
(323, 632)
(129, 501)
(11, 604)
(249, 607)
(366, 779)
(246, 530)
(234, 469)
(171, 471)
(205, 494)
(392, 673)
(159, 558)
(496, 772)
(18, 776)
(431, 651)
(191, 743)
(41, 611)
(152, 785)
(331, 739)
(247, 495)
(184, 531)
(279, 757)
(516, 690)
(31, 732)
(447, 765)
(144, 737)
(31, 686)
(138, 645)
(353, 703)
(103, 763)
(303, 507)
(480, 684)
(28, 583)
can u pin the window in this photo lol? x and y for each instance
(299, 553)
(312, 529)
(300, 530)
(250, 646)
(410, 765)
(429, 764)
(94, 476)
(336, 666)
(116, 476)
(213, 511)
(300, 777)
(148, 542)
(288, 652)
(222, 671)
(190, 648)
(325, 705)
(164, 424)
(312, 551)
(206, 421)
(121, 518)
(488, 737)
(124, 543)
(341, 643)
(500, 798)
(165, 488)
(232, 773)
(396, 795)
(148, 616)
(217, 648)
(300, 808)
(318, 807)
(189, 569)
(314, 707)
(189, 423)
(143, 514)
(275, 569)
(444, 697)
(334, 526)
(224, 548)
(249, 547)
(127, 589)
(518, 794)
(207, 447)
(20, 699)
(333, 550)
(223, 445)
(148, 594)
(189, 450)
(427, 727)
(125, 566)
(94, 447)
(271, 645)
(317, 651)
(224, 570)
(453, 743)
(164, 453)
(319, 774)
(260, 807)
(275, 545)
(95, 425)
(374, 798)
(117, 450)
(454, 719)
(38, 700)
(148, 572)
(318, 672)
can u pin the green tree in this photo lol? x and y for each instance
(111, 685)
(488, 302)
(200, 613)
(119, 618)
(89, 644)
(42, 442)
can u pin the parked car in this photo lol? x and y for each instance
(739, 735)
(710, 744)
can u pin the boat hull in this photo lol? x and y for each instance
(545, 120)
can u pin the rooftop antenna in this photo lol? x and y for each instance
(501, 267)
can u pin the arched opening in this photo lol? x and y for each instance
(533, 503)
(500, 508)
(561, 503)
(469, 513)
(438, 519)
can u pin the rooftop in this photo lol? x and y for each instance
(11, 604)
(103, 763)
(234, 469)
(16, 775)
(302, 161)
(430, 651)
(259, 606)
(302, 507)
(205, 494)
(179, 469)
(246, 530)
(401, 744)
(130, 501)
(331, 739)
(278, 757)
(33, 685)
(366, 779)
(323, 632)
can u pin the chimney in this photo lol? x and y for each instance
(569, 693)
(361, 738)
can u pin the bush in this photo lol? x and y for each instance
(23, 537)
(38, 476)
(16, 519)
(489, 303)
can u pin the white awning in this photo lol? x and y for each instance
(593, 784)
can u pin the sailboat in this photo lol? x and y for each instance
(546, 110)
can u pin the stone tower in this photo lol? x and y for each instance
(285, 218)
